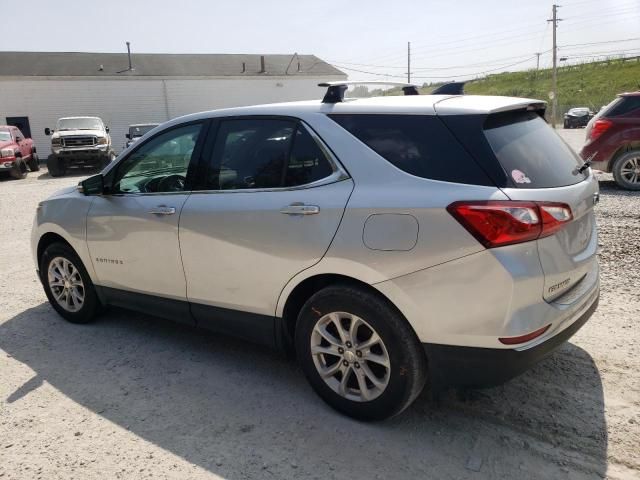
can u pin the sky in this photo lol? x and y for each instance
(450, 40)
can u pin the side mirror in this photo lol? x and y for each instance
(106, 129)
(92, 186)
(127, 136)
(48, 131)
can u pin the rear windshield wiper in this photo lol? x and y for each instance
(585, 165)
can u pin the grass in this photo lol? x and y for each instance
(586, 85)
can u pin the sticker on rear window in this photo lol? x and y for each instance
(519, 177)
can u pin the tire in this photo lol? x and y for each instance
(107, 161)
(52, 264)
(56, 166)
(19, 169)
(34, 162)
(626, 170)
(566, 125)
(396, 384)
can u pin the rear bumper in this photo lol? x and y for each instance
(483, 367)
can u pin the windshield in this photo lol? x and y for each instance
(579, 111)
(140, 130)
(86, 123)
(4, 136)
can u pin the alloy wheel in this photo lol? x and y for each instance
(630, 170)
(350, 356)
(66, 284)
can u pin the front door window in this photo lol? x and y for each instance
(159, 165)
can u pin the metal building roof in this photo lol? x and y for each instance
(85, 64)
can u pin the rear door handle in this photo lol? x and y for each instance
(300, 209)
(162, 210)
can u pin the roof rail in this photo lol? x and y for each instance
(336, 90)
(451, 88)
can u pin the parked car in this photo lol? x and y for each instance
(17, 153)
(137, 131)
(386, 241)
(577, 117)
(79, 142)
(613, 140)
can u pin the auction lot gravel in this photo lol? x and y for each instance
(131, 396)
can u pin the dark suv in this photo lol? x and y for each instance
(613, 140)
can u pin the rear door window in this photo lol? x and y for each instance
(622, 106)
(530, 152)
(257, 153)
(420, 145)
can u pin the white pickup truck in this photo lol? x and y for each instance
(79, 142)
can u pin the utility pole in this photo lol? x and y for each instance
(554, 75)
(408, 62)
(537, 61)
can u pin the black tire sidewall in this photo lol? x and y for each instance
(408, 364)
(55, 166)
(91, 305)
(34, 162)
(617, 166)
(19, 170)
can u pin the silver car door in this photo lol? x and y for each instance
(132, 231)
(275, 199)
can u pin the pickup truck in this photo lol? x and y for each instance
(16, 153)
(79, 142)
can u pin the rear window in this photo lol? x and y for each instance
(622, 106)
(420, 145)
(530, 152)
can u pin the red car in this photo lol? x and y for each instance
(16, 152)
(613, 140)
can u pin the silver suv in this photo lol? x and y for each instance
(388, 241)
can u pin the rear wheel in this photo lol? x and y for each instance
(34, 162)
(626, 170)
(359, 353)
(56, 166)
(67, 284)
(19, 169)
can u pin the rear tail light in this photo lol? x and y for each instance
(500, 223)
(599, 127)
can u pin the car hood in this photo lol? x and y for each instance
(6, 143)
(67, 133)
(64, 191)
(577, 114)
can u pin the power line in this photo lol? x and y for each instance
(600, 43)
(451, 67)
(434, 76)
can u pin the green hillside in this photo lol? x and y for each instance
(591, 84)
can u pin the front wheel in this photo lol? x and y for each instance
(626, 170)
(359, 353)
(56, 166)
(19, 169)
(67, 284)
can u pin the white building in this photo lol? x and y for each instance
(37, 88)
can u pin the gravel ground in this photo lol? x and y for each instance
(132, 396)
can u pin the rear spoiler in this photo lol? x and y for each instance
(336, 90)
(451, 88)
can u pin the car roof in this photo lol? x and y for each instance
(76, 118)
(629, 94)
(400, 104)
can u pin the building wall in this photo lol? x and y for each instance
(121, 102)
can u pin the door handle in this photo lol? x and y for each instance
(299, 208)
(162, 210)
